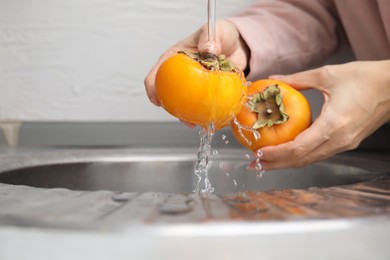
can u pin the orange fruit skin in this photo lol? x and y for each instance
(295, 105)
(194, 94)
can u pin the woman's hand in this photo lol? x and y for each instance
(228, 42)
(356, 103)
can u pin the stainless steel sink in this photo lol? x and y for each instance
(138, 202)
(172, 171)
(114, 187)
(127, 201)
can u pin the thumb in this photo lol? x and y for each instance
(208, 46)
(204, 45)
(310, 79)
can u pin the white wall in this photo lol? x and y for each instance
(85, 60)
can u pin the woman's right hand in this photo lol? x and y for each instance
(228, 42)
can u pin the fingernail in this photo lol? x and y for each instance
(208, 47)
(190, 125)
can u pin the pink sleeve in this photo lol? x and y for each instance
(286, 36)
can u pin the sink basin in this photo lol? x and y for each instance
(172, 171)
(116, 187)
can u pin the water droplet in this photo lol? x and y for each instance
(221, 165)
(224, 137)
(247, 156)
(227, 174)
(259, 174)
(235, 183)
(246, 128)
(215, 152)
(227, 141)
(259, 153)
(258, 166)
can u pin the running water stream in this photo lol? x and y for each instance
(203, 164)
(203, 185)
(212, 15)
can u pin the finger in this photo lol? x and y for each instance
(188, 124)
(269, 166)
(149, 81)
(301, 151)
(322, 152)
(204, 45)
(150, 87)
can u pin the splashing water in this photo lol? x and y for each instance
(203, 185)
(241, 127)
(258, 167)
(204, 163)
(224, 138)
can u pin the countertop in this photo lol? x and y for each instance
(359, 238)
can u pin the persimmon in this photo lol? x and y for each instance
(275, 110)
(200, 88)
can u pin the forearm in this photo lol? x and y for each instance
(287, 36)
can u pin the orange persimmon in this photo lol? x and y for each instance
(200, 88)
(277, 111)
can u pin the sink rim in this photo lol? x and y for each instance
(244, 228)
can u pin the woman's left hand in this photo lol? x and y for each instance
(356, 103)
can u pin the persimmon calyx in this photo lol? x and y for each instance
(211, 61)
(269, 107)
